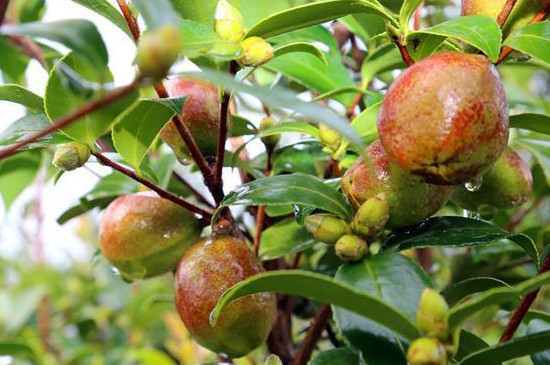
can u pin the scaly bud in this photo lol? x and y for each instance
(256, 51)
(228, 21)
(272, 140)
(330, 138)
(426, 351)
(351, 248)
(273, 360)
(158, 50)
(326, 228)
(371, 216)
(432, 314)
(70, 156)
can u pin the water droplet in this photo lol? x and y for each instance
(115, 271)
(472, 214)
(474, 185)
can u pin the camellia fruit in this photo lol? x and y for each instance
(205, 272)
(507, 184)
(445, 118)
(201, 115)
(409, 199)
(143, 235)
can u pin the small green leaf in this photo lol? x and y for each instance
(303, 47)
(18, 94)
(157, 13)
(533, 40)
(539, 123)
(456, 292)
(108, 11)
(407, 10)
(291, 127)
(322, 288)
(283, 238)
(17, 173)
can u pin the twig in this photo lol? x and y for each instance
(206, 215)
(193, 191)
(543, 13)
(130, 20)
(70, 118)
(523, 307)
(418, 17)
(260, 216)
(3, 10)
(313, 335)
(505, 12)
(398, 40)
(29, 48)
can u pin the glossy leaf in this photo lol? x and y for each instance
(291, 127)
(108, 11)
(301, 47)
(456, 232)
(28, 125)
(340, 356)
(201, 40)
(534, 327)
(18, 94)
(456, 292)
(539, 123)
(384, 58)
(17, 173)
(283, 238)
(468, 344)
(365, 123)
(324, 289)
(396, 281)
(533, 39)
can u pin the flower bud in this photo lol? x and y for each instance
(158, 50)
(351, 248)
(228, 21)
(426, 351)
(70, 156)
(330, 138)
(432, 314)
(256, 51)
(272, 140)
(371, 216)
(273, 360)
(326, 228)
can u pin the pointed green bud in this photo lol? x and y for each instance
(432, 314)
(330, 138)
(351, 248)
(426, 351)
(228, 21)
(256, 51)
(371, 217)
(326, 228)
(272, 140)
(273, 360)
(158, 50)
(70, 156)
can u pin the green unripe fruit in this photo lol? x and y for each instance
(70, 156)
(330, 138)
(372, 216)
(273, 360)
(158, 50)
(206, 271)
(351, 248)
(409, 199)
(272, 140)
(255, 52)
(432, 314)
(326, 228)
(228, 21)
(445, 118)
(507, 184)
(144, 235)
(426, 351)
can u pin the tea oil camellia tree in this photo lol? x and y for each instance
(392, 169)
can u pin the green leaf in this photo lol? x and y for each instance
(365, 123)
(79, 35)
(18, 94)
(468, 344)
(157, 13)
(533, 40)
(28, 125)
(457, 292)
(312, 14)
(407, 10)
(283, 238)
(200, 40)
(456, 232)
(480, 31)
(303, 47)
(108, 11)
(510, 350)
(459, 313)
(340, 356)
(540, 150)
(12, 63)
(18, 350)
(324, 289)
(539, 123)
(296, 188)
(137, 127)
(384, 58)
(17, 173)
(537, 326)
(394, 280)
(200, 11)
(61, 99)
(291, 127)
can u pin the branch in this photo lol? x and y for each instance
(260, 216)
(130, 20)
(313, 335)
(193, 191)
(206, 215)
(523, 307)
(398, 40)
(3, 10)
(70, 118)
(505, 12)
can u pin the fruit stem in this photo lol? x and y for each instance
(313, 335)
(3, 10)
(130, 20)
(523, 307)
(206, 215)
(505, 12)
(70, 118)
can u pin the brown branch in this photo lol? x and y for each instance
(29, 48)
(523, 307)
(313, 335)
(260, 216)
(130, 20)
(398, 40)
(418, 17)
(193, 191)
(505, 12)
(206, 215)
(70, 118)
(3, 10)
(353, 106)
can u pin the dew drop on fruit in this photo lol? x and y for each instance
(474, 185)
(115, 271)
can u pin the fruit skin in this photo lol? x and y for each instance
(205, 272)
(507, 184)
(201, 114)
(410, 200)
(426, 351)
(446, 118)
(144, 235)
(158, 50)
(70, 156)
(432, 314)
(326, 228)
(351, 248)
